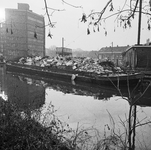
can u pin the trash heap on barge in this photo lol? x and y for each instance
(76, 69)
(84, 64)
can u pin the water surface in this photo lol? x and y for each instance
(77, 105)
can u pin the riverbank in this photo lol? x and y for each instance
(20, 131)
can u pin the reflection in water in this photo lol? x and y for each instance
(3, 89)
(74, 102)
(26, 87)
(25, 95)
(3, 96)
(142, 96)
(95, 91)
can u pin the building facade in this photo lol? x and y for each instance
(22, 34)
(63, 51)
(112, 53)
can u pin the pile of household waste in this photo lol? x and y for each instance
(79, 64)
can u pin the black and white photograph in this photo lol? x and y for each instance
(75, 75)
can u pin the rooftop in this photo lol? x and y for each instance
(114, 49)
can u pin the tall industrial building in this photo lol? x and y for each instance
(22, 34)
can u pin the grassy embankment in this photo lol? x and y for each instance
(21, 132)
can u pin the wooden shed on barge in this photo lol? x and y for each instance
(138, 58)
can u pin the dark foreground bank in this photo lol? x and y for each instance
(21, 132)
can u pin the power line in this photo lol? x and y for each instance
(75, 39)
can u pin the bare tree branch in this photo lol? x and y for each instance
(50, 23)
(142, 124)
(54, 10)
(100, 14)
(121, 10)
(124, 15)
(132, 11)
(71, 4)
(126, 10)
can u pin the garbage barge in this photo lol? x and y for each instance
(109, 79)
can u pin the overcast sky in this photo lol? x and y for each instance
(74, 32)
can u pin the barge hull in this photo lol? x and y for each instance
(123, 80)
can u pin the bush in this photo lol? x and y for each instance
(25, 133)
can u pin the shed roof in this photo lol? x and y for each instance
(136, 46)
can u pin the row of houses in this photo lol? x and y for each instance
(113, 53)
(136, 57)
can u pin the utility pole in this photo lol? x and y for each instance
(112, 56)
(139, 22)
(62, 46)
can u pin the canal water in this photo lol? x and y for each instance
(82, 106)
